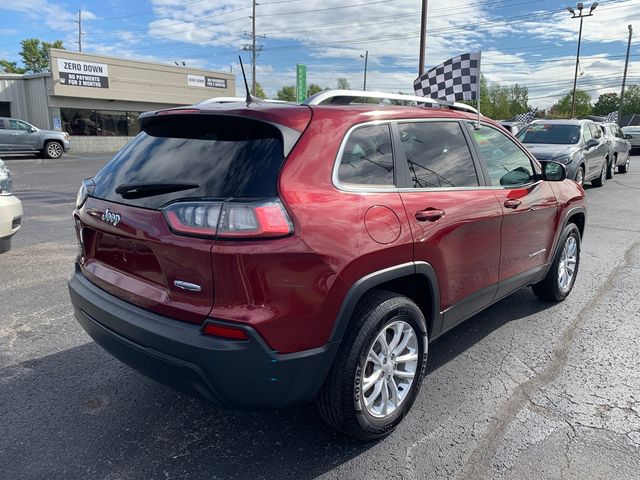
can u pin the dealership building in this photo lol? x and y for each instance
(98, 99)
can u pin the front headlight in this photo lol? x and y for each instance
(86, 189)
(6, 186)
(564, 160)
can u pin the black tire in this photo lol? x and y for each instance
(612, 167)
(625, 168)
(598, 182)
(549, 288)
(52, 149)
(5, 244)
(340, 401)
(579, 178)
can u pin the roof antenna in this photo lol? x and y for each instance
(250, 99)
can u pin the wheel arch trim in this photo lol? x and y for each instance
(377, 278)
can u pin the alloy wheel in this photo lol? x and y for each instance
(580, 176)
(54, 150)
(603, 174)
(390, 369)
(568, 261)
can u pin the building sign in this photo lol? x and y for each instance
(83, 74)
(204, 81)
(301, 82)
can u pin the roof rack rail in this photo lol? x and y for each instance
(235, 99)
(346, 97)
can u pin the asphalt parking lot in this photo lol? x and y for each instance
(523, 390)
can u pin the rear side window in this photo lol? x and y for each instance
(508, 166)
(437, 155)
(225, 156)
(1, 124)
(367, 158)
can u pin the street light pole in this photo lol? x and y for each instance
(423, 36)
(580, 7)
(624, 78)
(253, 50)
(366, 60)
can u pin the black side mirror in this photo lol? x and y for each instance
(627, 136)
(553, 172)
(591, 143)
(518, 176)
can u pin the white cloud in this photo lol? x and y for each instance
(52, 15)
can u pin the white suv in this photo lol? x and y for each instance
(10, 210)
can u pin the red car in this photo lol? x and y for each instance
(267, 254)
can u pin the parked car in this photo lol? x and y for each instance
(619, 149)
(633, 133)
(18, 137)
(10, 210)
(513, 127)
(578, 144)
(264, 254)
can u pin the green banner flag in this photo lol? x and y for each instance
(301, 82)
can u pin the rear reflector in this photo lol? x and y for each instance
(225, 332)
(232, 219)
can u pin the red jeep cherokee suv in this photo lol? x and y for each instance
(266, 254)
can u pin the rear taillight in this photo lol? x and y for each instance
(233, 219)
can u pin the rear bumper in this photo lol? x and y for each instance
(228, 373)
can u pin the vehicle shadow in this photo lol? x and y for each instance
(81, 414)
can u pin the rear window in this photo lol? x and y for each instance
(225, 156)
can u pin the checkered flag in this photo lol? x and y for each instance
(526, 117)
(456, 79)
(612, 117)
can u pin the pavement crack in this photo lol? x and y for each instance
(478, 464)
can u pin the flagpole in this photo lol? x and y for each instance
(479, 89)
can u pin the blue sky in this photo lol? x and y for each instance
(530, 42)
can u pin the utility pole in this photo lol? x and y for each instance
(366, 61)
(253, 47)
(423, 36)
(79, 22)
(624, 78)
(580, 7)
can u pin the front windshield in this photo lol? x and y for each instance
(550, 133)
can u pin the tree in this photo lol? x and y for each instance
(631, 100)
(518, 99)
(562, 109)
(35, 57)
(10, 67)
(259, 91)
(288, 94)
(343, 84)
(607, 103)
(313, 89)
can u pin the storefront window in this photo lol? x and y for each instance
(132, 123)
(109, 123)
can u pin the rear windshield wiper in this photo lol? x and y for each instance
(149, 189)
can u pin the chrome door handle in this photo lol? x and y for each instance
(429, 215)
(512, 203)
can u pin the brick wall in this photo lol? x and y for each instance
(81, 144)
